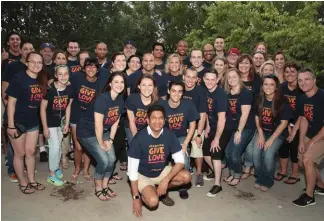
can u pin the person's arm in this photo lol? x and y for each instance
(68, 117)
(200, 128)
(245, 109)
(11, 113)
(261, 140)
(219, 131)
(43, 116)
(4, 86)
(99, 128)
(294, 130)
(319, 136)
(276, 133)
(191, 131)
(131, 120)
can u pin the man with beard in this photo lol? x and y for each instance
(101, 53)
(209, 54)
(219, 46)
(73, 63)
(47, 53)
(129, 48)
(182, 49)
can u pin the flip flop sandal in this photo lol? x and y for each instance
(99, 193)
(295, 180)
(25, 189)
(112, 181)
(116, 177)
(228, 181)
(36, 186)
(230, 184)
(247, 175)
(109, 192)
(88, 178)
(280, 176)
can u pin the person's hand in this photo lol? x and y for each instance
(302, 147)
(237, 137)
(198, 141)
(137, 207)
(268, 143)
(12, 133)
(4, 54)
(214, 146)
(163, 187)
(291, 136)
(207, 130)
(309, 144)
(46, 133)
(260, 141)
(184, 148)
(66, 129)
(103, 146)
(108, 145)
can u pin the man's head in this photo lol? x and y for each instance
(73, 48)
(148, 62)
(129, 48)
(306, 79)
(219, 43)
(196, 58)
(211, 79)
(156, 117)
(158, 50)
(209, 52)
(101, 50)
(182, 48)
(26, 48)
(232, 56)
(190, 77)
(176, 90)
(47, 51)
(14, 41)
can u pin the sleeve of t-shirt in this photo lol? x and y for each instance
(134, 150)
(14, 87)
(192, 110)
(222, 102)
(100, 104)
(246, 98)
(163, 91)
(174, 143)
(286, 112)
(4, 65)
(202, 104)
(7, 75)
(129, 103)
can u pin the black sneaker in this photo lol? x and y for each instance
(214, 191)
(191, 170)
(183, 194)
(304, 200)
(43, 156)
(209, 176)
(318, 190)
(166, 200)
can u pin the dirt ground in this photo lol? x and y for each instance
(79, 203)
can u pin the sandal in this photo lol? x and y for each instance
(231, 183)
(88, 178)
(112, 181)
(280, 176)
(36, 186)
(109, 192)
(228, 180)
(294, 179)
(245, 175)
(99, 193)
(116, 177)
(74, 178)
(26, 189)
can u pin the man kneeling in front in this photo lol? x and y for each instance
(147, 159)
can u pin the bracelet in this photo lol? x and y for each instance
(12, 128)
(111, 139)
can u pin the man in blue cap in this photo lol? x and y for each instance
(47, 53)
(129, 48)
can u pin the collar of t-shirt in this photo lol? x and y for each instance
(149, 131)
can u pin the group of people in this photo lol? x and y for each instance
(207, 108)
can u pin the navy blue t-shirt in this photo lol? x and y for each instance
(170, 78)
(178, 119)
(12, 69)
(29, 95)
(160, 67)
(186, 63)
(245, 97)
(106, 65)
(313, 110)
(153, 152)
(254, 85)
(217, 102)
(292, 98)
(207, 65)
(74, 66)
(201, 75)
(111, 109)
(57, 104)
(10, 59)
(135, 104)
(49, 69)
(268, 122)
(161, 82)
(198, 97)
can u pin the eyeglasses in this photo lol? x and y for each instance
(34, 62)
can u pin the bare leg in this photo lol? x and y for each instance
(150, 197)
(30, 148)
(310, 173)
(218, 171)
(209, 161)
(199, 162)
(18, 146)
(320, 182)
(77, 153)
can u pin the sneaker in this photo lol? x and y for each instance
(59, 173)
(214, 191)
(191, 170)
(183, 194)
(43, 156)
(166, 200)
(54, 180)
(304, 200)
(199, 180)
(13, 178)
(318, 190)
(209, 176)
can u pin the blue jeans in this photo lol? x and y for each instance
(264, 160)
(186, 155)
(105, 160)
(248, 154)
(10, 156)
(233, 152)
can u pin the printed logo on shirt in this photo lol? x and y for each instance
(36, 93)
(292, 101)
(175, 121)
(86, 94)
(198, 81)
(308, 112)
(187, 97)
(233, 106)
(140, 117)
(112, 115)
(11, 60)
(75, 68)
(267, 118)
(156, 154)
(210, 104)
(60, 103)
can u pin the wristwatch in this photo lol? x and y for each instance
(136, 197)
(198, 135)
(237, 130)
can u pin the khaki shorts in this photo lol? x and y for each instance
(196, 151)
(144, 181)
(315, 153)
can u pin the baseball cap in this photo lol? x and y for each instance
(233, 51)
(47, 45)
(129, 42)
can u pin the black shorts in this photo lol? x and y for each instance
(225, 138)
